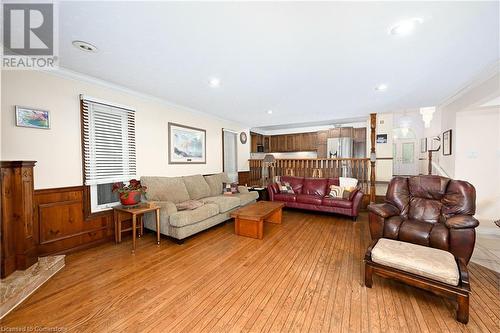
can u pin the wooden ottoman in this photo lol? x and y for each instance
(435, 270)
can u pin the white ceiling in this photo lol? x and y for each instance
(307, 61)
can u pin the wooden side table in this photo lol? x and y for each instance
(136, 213)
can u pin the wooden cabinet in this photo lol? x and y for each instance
(18, 233)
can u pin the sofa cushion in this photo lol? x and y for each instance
(190, 204)
(315, 186)
(425, 261)
(247, 197)
(225, 202)
(165, 189)
(296, 183)
(309, 199)
(337, 202)
(428, 210)
(196, 186)
(416, 232)
(285, 197)
(188, 217)
(215, 182)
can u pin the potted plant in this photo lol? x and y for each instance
(130, 195)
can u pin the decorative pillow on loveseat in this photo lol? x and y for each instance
(336, 191)
(286, 188)
(230, 188)
(189, 205)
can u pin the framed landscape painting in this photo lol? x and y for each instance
(186, 145)
(26, 117)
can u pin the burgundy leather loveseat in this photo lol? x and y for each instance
(311, 194)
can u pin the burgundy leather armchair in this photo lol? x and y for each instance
(310, 194)
(432, 211)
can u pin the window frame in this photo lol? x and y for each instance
(88, 190)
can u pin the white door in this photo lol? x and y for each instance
(405, 159)
(230, 148)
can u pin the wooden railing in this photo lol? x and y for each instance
(318, 167)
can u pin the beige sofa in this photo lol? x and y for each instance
(168, 191)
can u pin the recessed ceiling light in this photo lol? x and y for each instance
(405, 27)
(214, 82)
(84, 46)
(269, 111)
(381, 87)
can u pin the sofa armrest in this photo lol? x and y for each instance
(383, 210)
(356, 202)
(243, 189)
(167, 208)
(461, 222)
(272, 189)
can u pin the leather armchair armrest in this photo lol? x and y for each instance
(461, 222)
(383, 210)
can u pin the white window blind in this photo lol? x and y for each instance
(108, 142)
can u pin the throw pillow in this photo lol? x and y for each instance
(230, 188)
(286, 188)
(336, 191)
(348, 183)
(189, 205)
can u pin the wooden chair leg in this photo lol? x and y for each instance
(368, 276)
(463, 309)
(139, 226)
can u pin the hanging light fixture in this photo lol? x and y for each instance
(427, 114)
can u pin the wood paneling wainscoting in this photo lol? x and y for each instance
(61, 224)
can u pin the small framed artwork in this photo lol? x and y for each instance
(33, 118)
(381, 138)
(447, 143)
(186, 145)
(423, 145)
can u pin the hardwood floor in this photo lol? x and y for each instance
(306, 275)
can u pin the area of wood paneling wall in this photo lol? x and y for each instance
(61, 223)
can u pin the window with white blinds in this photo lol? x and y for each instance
(108, 142)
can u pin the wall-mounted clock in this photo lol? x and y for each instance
(243, 137)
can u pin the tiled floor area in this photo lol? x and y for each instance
(487, 251)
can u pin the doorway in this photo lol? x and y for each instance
(230, 154)
(405, 159)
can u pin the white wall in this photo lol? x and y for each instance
(477, 157)
(58, 150)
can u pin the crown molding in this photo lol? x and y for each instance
(77, 76)
(487, 73)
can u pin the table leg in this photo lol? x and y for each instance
(116, 227)
(140, 223)
(134, 226)
(275, 217)
(158, 226)
(119, 221)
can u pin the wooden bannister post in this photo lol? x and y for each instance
(373, 156)
(429, 166)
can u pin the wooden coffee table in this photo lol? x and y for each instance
(249, 220)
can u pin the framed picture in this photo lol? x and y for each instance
(423, 145)
(186, 145)
(447, 142)
(33, 118)
(381, 138)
